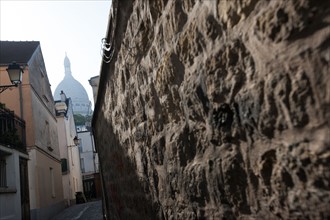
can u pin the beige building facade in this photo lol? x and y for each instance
(94, 83)
(33, 102)
(69, 152)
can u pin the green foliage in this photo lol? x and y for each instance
(81, 120)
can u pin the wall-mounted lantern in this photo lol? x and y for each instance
(15, 75)
(76, 141)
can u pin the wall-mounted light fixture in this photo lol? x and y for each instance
(15, 75)
(76, 141)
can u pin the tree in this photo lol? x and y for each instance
(81, 120)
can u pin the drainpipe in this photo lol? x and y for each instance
(94, 151)
(21, 101)
(22, 112)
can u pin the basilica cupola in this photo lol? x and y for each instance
(74, 90)
(67, 66)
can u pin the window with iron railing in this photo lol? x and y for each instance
(12, 129)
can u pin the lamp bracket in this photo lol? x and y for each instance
(3, 88)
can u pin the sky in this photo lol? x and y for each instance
(74, 27)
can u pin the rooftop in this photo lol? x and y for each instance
(19, 51)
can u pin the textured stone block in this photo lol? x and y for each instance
(217, 110)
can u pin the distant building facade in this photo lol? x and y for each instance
(94, 82)
(89, 161)
(74, 90)
(32, 101)
(69, 153)
(90, 155)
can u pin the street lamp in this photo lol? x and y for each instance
(76, 140)
(15, 75)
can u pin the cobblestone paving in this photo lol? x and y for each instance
(86, 211)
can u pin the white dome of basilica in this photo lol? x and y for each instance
(74, 90)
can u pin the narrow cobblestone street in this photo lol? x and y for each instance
(86, 211)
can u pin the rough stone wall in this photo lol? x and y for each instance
(216, 110)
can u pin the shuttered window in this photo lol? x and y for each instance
(3, 174)
(64, 162)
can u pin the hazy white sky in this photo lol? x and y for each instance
(75, 27)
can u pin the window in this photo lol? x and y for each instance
(47, 130)
(3, 174)
(42, 72)
(82, 165)
(64, 162)
(51, 171)
(74, 185)
(45, 98)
